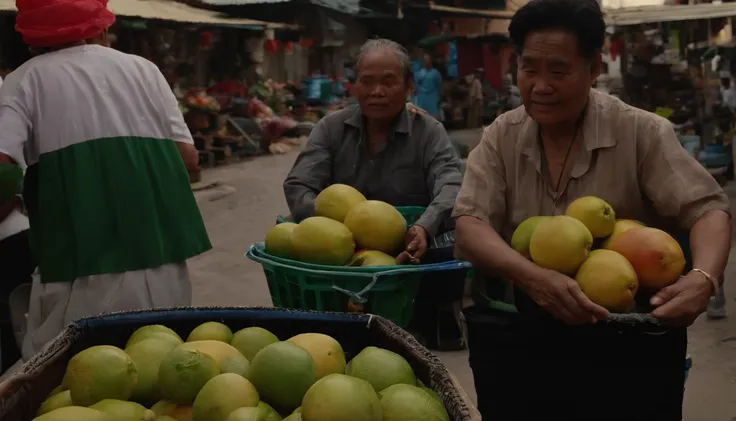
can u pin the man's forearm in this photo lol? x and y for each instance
(300, 200)
(478, 243)
(710, 242)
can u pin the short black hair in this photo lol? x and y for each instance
(584, 18)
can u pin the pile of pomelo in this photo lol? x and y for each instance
(630, 257)
(344, 221)
(247, 376)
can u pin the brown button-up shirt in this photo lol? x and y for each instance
(630, 158)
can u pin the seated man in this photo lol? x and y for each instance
(385, 151)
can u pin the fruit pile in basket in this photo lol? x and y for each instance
(247, 376)
(348, 230)
(631, 256)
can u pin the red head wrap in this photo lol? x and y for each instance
(46, 23)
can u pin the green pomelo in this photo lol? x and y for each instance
(247, 414)
(298, 410)
(124, 411)
(403, 402)
(237, 364)
(172, 410)
(75, 413)
(147, 356)
(222, 395)
(294, 417)
(59, 400)
(211, 331)
(58, 389)
(338, 397)
(100, 372)
(432, 393)
(153, 331)
(278, 240)
(335, 201)
(561, 243)
(268, 411)
(220, 351)
(378, 226)
(165, 418)
(523, 234)
(183, 373)
(322, 241)
(251, 340)
(381, 368)
(283, 372)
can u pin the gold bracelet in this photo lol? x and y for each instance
(712, 280)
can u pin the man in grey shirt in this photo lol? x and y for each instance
(382, 149)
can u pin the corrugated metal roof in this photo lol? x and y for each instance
(652, 14)
(171, 11)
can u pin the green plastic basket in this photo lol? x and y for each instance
(386, 291)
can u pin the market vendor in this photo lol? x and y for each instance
(558, 358)
(112, 216)
(384, 150)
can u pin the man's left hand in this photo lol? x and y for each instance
(414, 109)
(682, 302)
(416, 246)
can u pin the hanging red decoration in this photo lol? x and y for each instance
(289, 46)
(306, 42)
(271, 46)
(205, 39)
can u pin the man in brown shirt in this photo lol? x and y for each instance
(551, 360)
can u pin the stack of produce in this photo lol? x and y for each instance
(247, 376)
(631, 256)
(344, 221)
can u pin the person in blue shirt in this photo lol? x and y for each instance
(428, 85)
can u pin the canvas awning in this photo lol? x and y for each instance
(652, 14)
(173, 11)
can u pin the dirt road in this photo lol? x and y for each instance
(240, 212)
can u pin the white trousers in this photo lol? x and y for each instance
(55, 305)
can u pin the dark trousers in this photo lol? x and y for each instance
(538, 369)
(16, 267)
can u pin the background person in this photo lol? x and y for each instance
(428, 84)
(551, 360)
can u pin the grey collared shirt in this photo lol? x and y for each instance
(417, 167)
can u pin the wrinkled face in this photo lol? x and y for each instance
(381, 88)
(554, 80)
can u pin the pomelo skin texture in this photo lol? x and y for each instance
(269, 413)
(278, 240)
(381, 368)
(406, 402)
(75, 413)
(172, 410)
(335, 201)
(211, 331)
(294, 417)
(147, 332)
(377, 226)
(100, 372)
(124, 411)
(561, 243)
(251, 340)
(656, 257)
(326, 352)
(609, 280)
(218, 350)
(147, 356)
(222, 395)
(282, 373)
(183, 373)
(622, 225)
(338, 397)
(247, 414)
(59, 400)
(595, 213)
(322, 241)
(523, 234)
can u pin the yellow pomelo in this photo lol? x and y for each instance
(367, 258)
(247, 414)
(154, 331)
(338, 397)
(560, 243)
(268, 412)
(381, 368)
(211, 331)
(147, 356)
(523, 234)
(609, 280)
(326, 352)
(278, 240)
(406, 402)
(100, 372)
(622, 225)
(222, 395)
(322, 241)
(595, 213)
(124, 411)
(166, 408)
(377, 225)
(75, 413)
(220, 351)
(335, 201)
(251, 340)
(56, 401)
